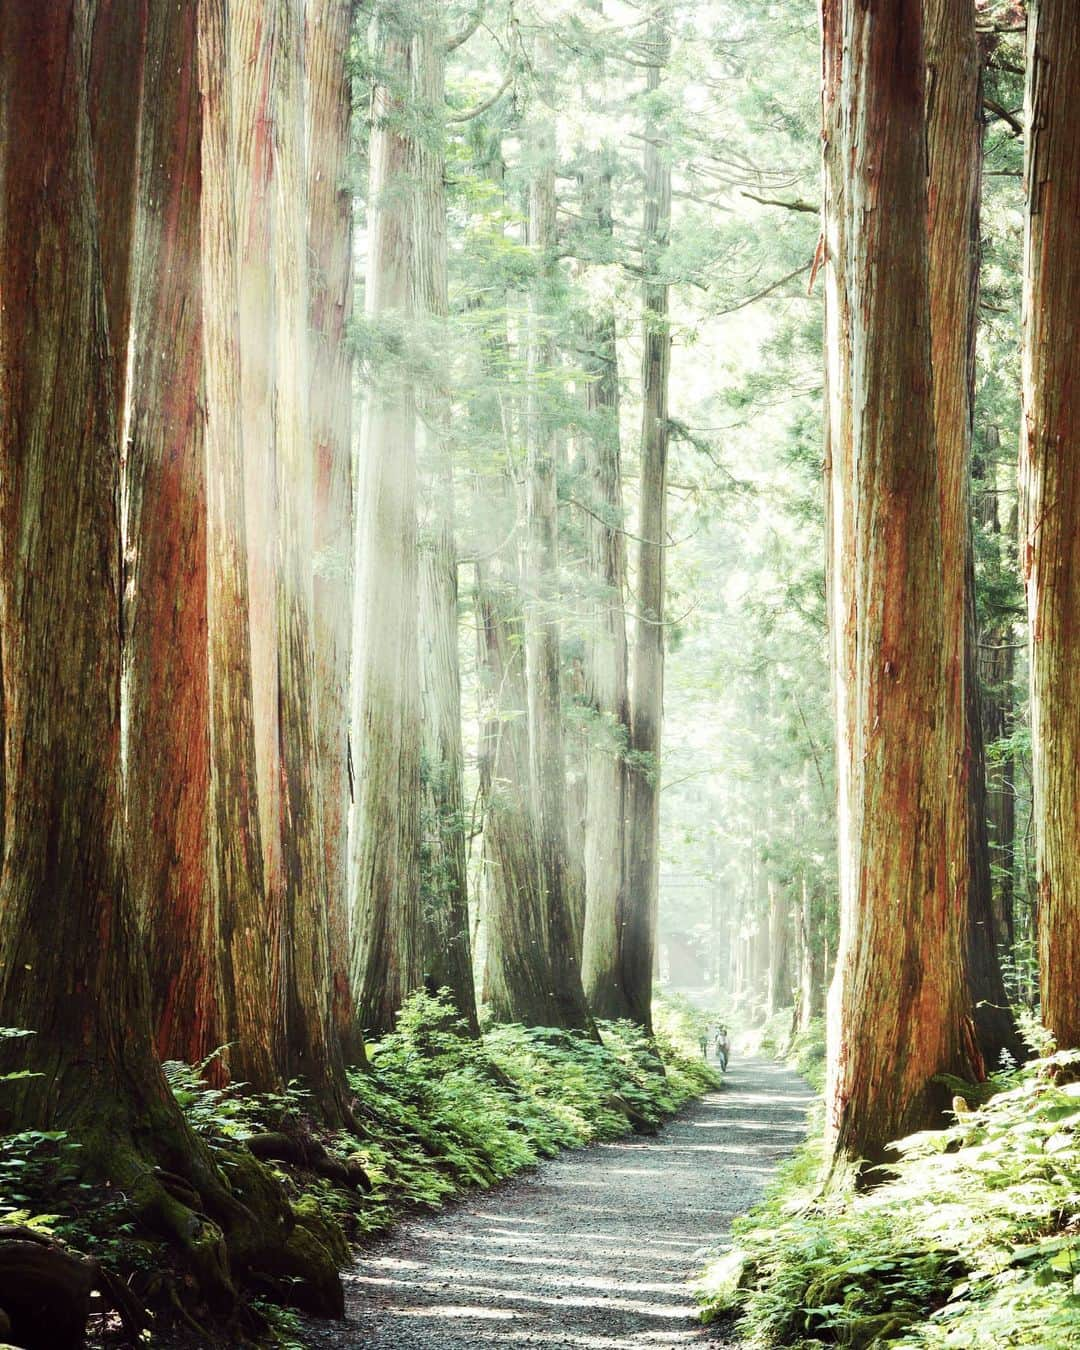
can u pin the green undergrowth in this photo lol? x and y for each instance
(436, 1114)
(439, 1112)
(972, 1244)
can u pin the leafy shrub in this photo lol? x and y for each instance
(973, 1245)
(439, 1111)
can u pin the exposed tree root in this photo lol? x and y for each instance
(45, 1292)
(304, 1150)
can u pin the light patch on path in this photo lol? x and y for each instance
(595, 1250)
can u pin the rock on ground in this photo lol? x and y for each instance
(595, 1250)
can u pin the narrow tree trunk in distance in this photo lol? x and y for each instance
(386, 739)
(808, 985)
(446, 947)
(167, 689)
(995, 1026)
(1050, 479)
(995, 666)
(543, 655)
(248, 930)
(446, 951)
(518, 983)
(899, 1014)
(575, 742)
(329, 104)
(779, 978)
(642, 882)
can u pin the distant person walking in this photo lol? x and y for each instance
(723, 1047)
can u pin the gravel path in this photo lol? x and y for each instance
(593, 1250)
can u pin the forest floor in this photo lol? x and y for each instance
(595, 1250)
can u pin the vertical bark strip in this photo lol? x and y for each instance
(897, 1015)
(518, 977)
(253, 55)
(167, 691)
(954, 131)
(114, 102)
(637, 931)
(446, 955)
(249, 935)
(779, 991)
(837, 463)
(995, 667)
(310, 1046)
(386, 743)
(1050, 482)
(606, 678)
(543, 657)
(329, 25)
(952, 90)
(71, 967)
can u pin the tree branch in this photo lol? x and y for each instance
(760, 295)
(797, 205)
(991, 105)
(472, 23)
(482, 108)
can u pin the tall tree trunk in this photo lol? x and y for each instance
(252, 46)
(249, 930)
(446, 954)
(329, 106)
(167, 678)
(72, 970)
(642, 883)
(310, 1047)
(519, 984)
(607, 694)
(386, 737)
(899, 1012)
(954, 130)
(543, 656)
(837, 462)
(1050, 479)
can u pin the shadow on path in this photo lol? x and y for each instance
(594, 1250)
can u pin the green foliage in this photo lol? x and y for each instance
(232, 1112)
(973, 1243)
(439, 1112)
(807, 1054)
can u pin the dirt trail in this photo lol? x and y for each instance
(594, 1250)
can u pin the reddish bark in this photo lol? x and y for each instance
(1050, 482)
(166, 661)
(898, 1014)
(329, 26)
